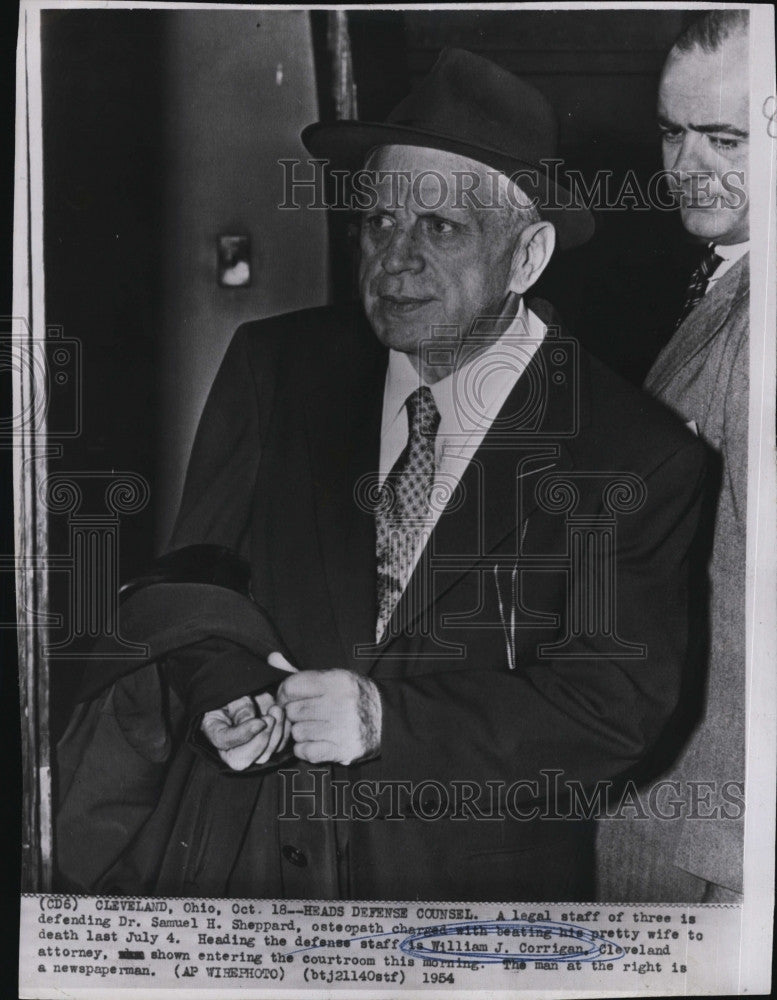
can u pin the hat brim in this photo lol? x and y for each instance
(346, 145)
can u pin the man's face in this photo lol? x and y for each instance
(703, 114)
(428, 261)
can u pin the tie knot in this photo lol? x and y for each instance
(709, 261)
(422, 413)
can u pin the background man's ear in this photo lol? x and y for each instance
(532, 253)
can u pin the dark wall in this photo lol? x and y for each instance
(162, 130)
(102, 187)
(239, 88)
(102, 196)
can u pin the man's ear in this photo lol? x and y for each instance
(533, 251)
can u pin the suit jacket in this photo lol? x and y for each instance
(703, 375)
(282, 469)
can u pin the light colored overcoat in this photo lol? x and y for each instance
(702, 374)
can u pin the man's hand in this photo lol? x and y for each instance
(247, 731)
(335, 715)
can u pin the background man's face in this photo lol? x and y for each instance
(423, 264)
(704, 119)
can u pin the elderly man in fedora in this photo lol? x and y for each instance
(467, 544)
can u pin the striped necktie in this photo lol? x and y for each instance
(402, 516)
(699, 281)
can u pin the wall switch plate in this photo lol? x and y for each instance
(234, 261)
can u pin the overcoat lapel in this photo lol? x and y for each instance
(700, 326)
(344, 449)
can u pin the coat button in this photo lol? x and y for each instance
(295, 856)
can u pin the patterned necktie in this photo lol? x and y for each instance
(699, 281)
(402, 511)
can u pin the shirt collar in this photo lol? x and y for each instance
(732, 251)
(402, 378)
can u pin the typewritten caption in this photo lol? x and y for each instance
(74, 943)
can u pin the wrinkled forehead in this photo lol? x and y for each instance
(418, 158)
(432, 178)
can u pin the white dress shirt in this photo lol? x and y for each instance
(468, 400)
(730, 254)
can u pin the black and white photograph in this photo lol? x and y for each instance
(393, 443)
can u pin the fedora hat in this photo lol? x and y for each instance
(470, 106)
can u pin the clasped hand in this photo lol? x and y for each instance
(329, 715)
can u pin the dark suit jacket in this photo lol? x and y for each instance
(280, 470)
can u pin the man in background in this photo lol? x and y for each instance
(702, 374)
